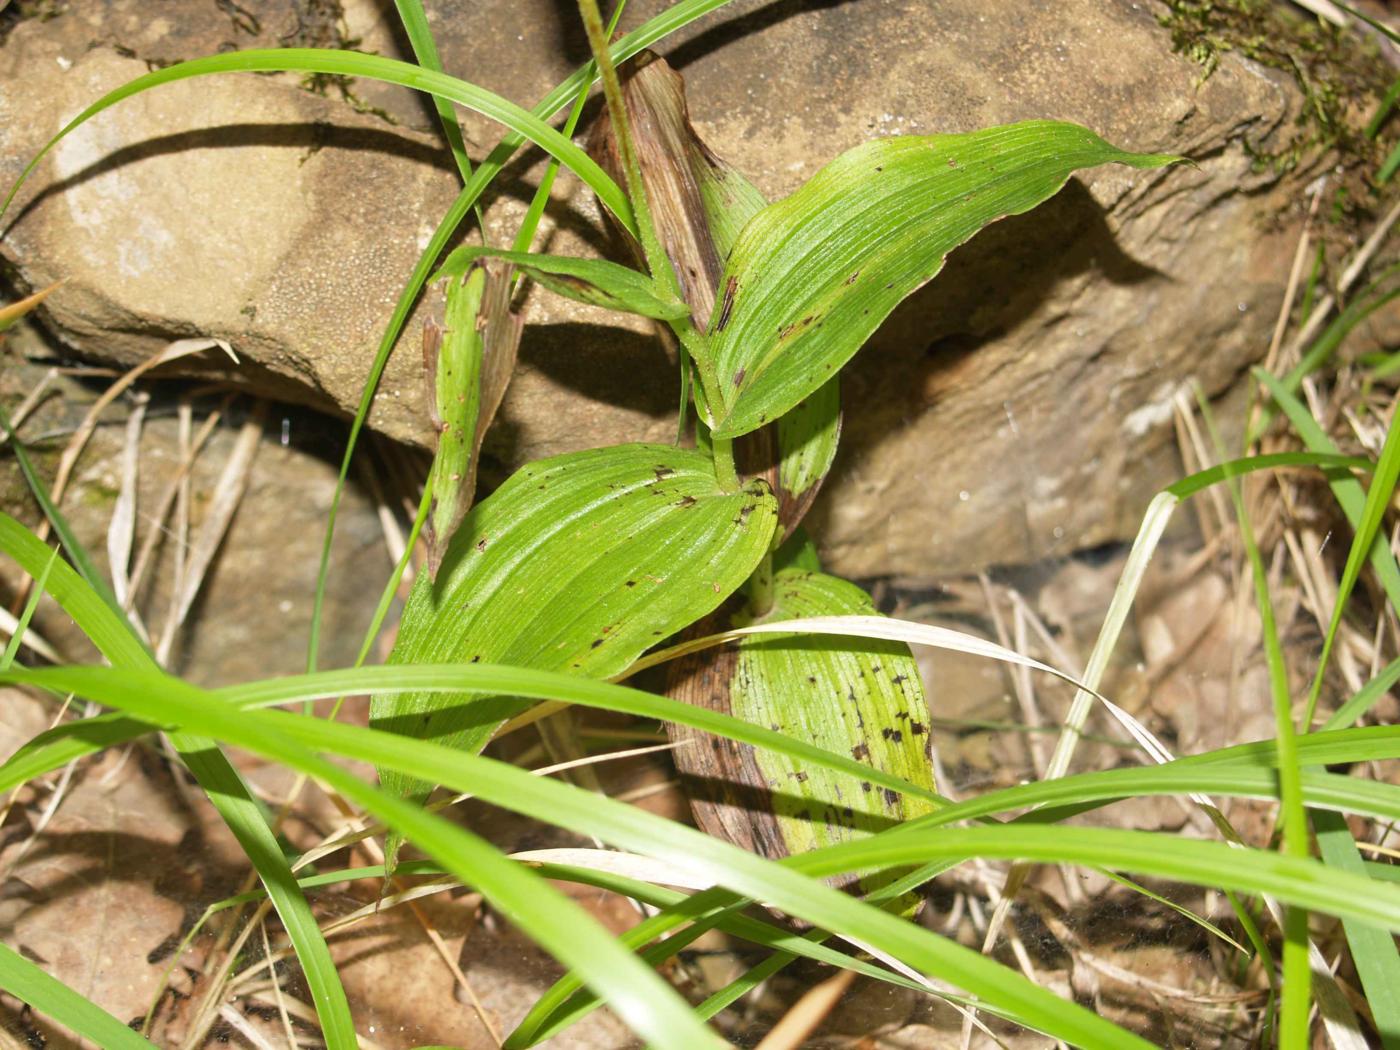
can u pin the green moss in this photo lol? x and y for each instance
(15, 13)
(15, 497)
(1340, 74)
(95, 494)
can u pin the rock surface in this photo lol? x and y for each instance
(1017, 407)
(252, 617)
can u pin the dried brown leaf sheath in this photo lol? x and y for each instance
(674, 163)
(699, 203)
(501, 329)
(728, 794)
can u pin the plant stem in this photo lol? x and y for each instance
(526, 236)
(657, 261)
(663, 275)
(761, 586)
(725, 473)
(693, 344)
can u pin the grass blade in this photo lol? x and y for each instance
(22, 624)
(594, 281)
(57, 746)
(1368, 530)
(420, 38)
(1347, 490)
(281, 735)
(112, 634)
(376, 67)
(51, 997)
(1366, 698)
(1068, 796)
(76, 551)
(12, 312)
(1296, 992)
(1372, 949)
(1298, 881)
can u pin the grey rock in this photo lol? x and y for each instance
(1019, 406)
(252, 617)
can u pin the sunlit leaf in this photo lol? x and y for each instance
(577, 563)
(795, 453)
(813, 275)
(668, 21)
(700, 204)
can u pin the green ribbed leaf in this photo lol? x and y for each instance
(578, 563)
(808, 434)
(859, 697)
(812, 276)
(594, 281)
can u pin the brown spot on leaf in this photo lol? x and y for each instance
(578, 284)
(731, 286)
(860, 751)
